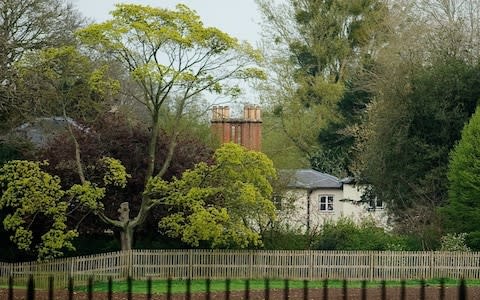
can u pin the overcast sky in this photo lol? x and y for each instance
(238, 18)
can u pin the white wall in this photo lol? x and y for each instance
(345, 204)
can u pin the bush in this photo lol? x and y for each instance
(454, 242)
(345, 234)
(286, 238)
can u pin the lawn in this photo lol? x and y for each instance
(198, 286)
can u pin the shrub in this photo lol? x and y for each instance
(285, 238)
(454, 242)
(345, 234)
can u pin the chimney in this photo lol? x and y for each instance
(246, 131)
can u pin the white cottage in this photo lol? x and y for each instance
(315, 197)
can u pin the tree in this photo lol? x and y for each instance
(462, 210)
(410, 137)
(36, 202)
(322, 45)
(37, 210)
(61, 81)
(227, 203)
(28, 26)
(172, 58)
(126, 139)
(423, 91)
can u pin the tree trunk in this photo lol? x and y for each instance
(152, 146)
(126, 237)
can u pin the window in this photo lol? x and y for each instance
(379, 204)
(277, 201)
(326, 203)
(375, 204)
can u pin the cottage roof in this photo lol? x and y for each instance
(310, 179)
(40, 130)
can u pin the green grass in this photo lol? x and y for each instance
(198, 286)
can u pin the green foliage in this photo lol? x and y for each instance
(115, 174)
(152, 44)
(454, 242)
(225, 204)
(322, 47)
(30, 194)
(462, 212)
(88, 195)
(285, 239)
(67, 83)
(345, 234)
(473, 240)
(410, 132)
(37, 207)
(278, 147)
(27, 27)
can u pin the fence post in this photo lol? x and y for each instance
(250, 270)
(371, 265)
(310, 267)
(190, 263)
(430, 275)
(127, 267)
(130, 263)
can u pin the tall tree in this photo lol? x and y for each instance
(116, 135)
(461, 213)
(27, 26)
(424, 89)
(226, 204)
(327, 43)
(172, 58)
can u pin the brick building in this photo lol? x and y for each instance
(246, 131)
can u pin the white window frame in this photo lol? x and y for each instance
(376, 204)
(379, 204)
(326, 203)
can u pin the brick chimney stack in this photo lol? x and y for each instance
(246, 131)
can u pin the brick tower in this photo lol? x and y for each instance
(246, 131)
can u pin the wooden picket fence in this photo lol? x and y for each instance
(234, 264)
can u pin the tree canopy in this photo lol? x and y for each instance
(322, 46)
(226, 204)
(37, 209)
(462, 211)
(172, 57)
(25, 27)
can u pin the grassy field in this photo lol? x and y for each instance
(197, 286)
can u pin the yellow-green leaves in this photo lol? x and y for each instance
(69, 82)
(101, 84)
(33, 194)
(225, 204)
(87, 195)
(115, 172)
(170, 54)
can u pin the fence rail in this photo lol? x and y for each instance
(220, 264)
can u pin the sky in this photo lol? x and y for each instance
(238, 18)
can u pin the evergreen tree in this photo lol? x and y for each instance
(462, 213)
